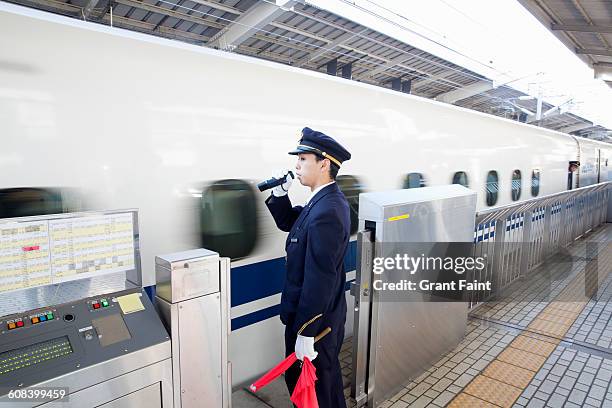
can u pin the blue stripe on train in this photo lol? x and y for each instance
(263, 279)
(255, 317)
(263, 314)
(257, 281)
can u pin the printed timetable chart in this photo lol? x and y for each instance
(88, 245)
(24, 255)
(41, 252)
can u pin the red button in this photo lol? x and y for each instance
(19, 323)
(96, 305)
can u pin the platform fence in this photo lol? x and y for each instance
(517, 238)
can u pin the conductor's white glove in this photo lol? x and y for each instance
(282, 190)
(304, 347)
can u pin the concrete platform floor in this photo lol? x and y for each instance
(546, 342)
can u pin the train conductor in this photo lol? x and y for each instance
(313, 296)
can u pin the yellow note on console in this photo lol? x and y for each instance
(130, 303)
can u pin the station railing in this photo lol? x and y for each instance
(515, 239)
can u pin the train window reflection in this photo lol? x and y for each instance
(535, 182)
(351, 187)
(414, 180)
(461, 177)
(25, 202)
(492, 187)
(516, 185)
(228, 218)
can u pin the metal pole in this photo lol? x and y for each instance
(362, 292)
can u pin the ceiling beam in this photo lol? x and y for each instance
(434, 78)
(218, 6)
(465, 92)
(581, 28)
(401, 62)
(89, 7)
(347, 36)
(522, 109)
(54, 5)
(296, 30)
(250, 22)
(150, 28)
(575, 128)
(385, 62)
(607, 52)
(391, 63)
(415, 53)
(552, 112)
(192, 18)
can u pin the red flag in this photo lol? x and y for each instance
(284, 366)
(304, 395)
(274, 372)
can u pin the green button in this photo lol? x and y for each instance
(104, 303)
(49, 316)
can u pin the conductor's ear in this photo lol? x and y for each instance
(326, 165)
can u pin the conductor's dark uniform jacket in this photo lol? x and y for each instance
(313, 296)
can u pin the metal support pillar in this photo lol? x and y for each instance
(347, 71)
(332, 67)
(396, 84)
(407, 86)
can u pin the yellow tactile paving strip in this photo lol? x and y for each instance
(466, 400)
(521, 358)
(505, 378)
(533, 345)
(491, 389)
(509, 374)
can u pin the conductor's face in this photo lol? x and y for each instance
(308, 169)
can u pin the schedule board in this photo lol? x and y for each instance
(46, 250)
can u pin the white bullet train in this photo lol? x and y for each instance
(94, 117)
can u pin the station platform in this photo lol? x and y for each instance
(545, 342)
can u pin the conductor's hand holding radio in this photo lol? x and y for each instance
(280, 183)
(283, 189)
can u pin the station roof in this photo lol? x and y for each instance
(298, 33)
(584, 26)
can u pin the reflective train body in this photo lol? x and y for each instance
(93, 117)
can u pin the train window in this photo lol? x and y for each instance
(25, 202)
(461, 177)
(414, 180)
(535, 182)
(492, 187)
(516, 185)
(351, 187)
(228, 218)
